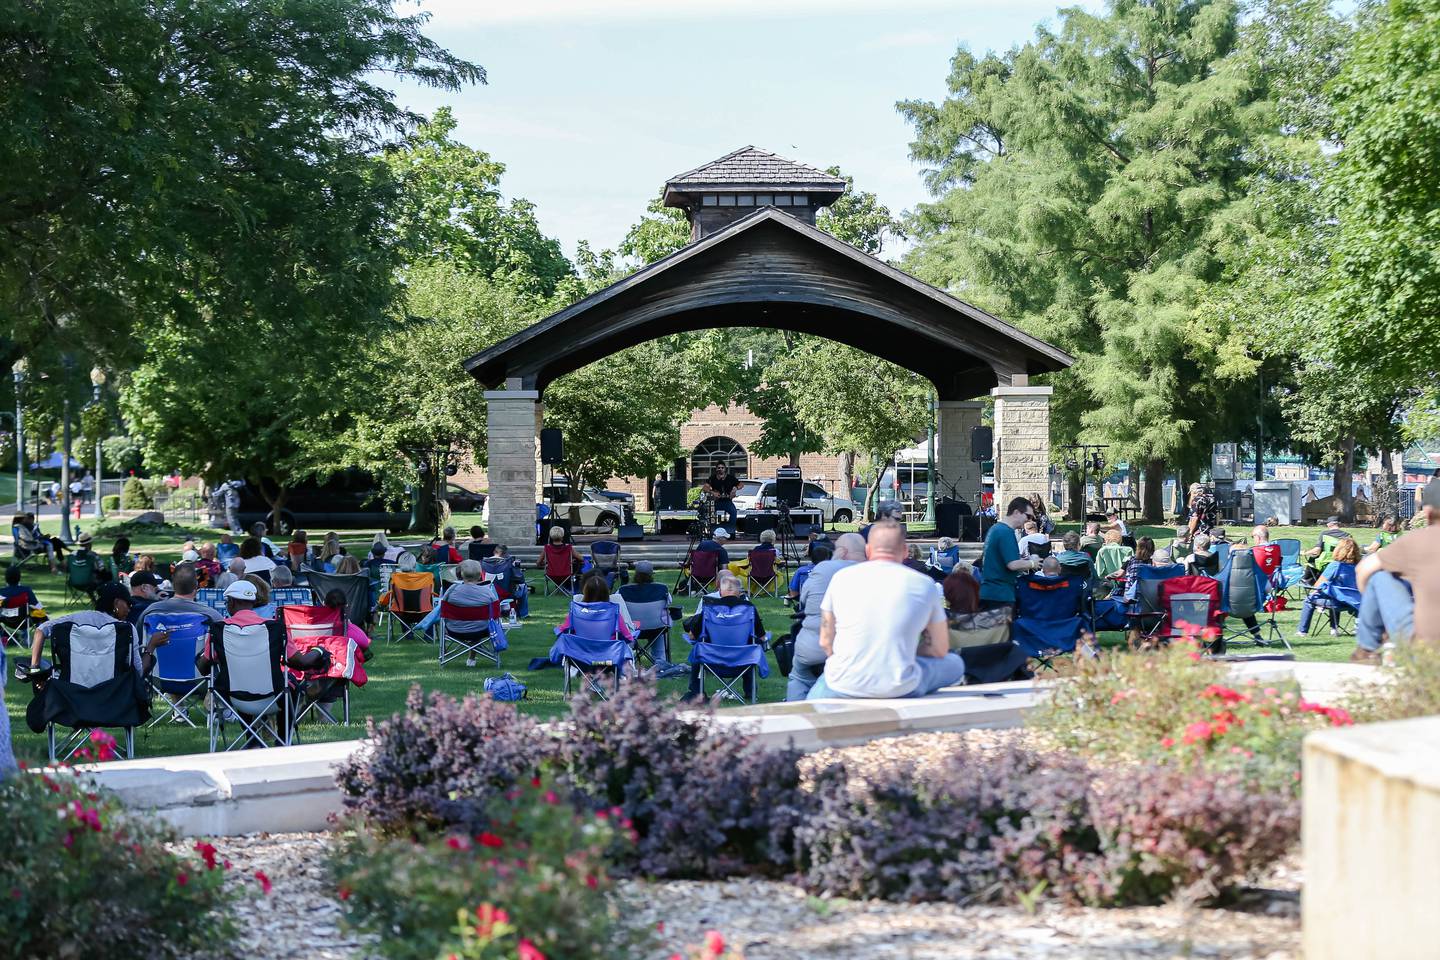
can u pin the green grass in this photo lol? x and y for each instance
(399, 666)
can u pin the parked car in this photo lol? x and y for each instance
(349, 499)
(591, 510)
(750, 494)
(462, 500)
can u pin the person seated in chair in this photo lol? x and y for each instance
(767, 541)
(596, 590)
(892, 511)
(1267, 555)
(326, 689)
(1400, 586)
(1091, 541)
(642, 589)
(1050, 567)
(1318, 557)
(883, 628)
(1030, 538)
(144, 590)
(29, 541)
(1386, 535)
(185, 584)
(1347, 552)
(511, 582)
(14, 588)
(112, 605)
(729, 596)
(817, 553)
(471, 590)
(235, 571)
(947, 555)
(1070, 554)
(240, 598)
(716, 543)
(1144, 556)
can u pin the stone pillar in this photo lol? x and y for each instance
(1022, 442)
(956, 468)
(513, 416)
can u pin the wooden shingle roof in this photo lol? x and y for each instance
(750, 166)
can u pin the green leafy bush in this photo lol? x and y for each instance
(1172, 707)
(532, 883)
(81, 877)
(134, 496)
(1413, 689)
(110, 502)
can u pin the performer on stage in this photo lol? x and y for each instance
(721, 485)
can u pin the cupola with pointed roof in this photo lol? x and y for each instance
(722, 191)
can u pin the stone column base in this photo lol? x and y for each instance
(513, 454)
(1022, 443)
(957, 471)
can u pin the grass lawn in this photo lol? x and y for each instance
(397, 667)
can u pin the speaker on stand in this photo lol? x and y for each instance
(982, 448)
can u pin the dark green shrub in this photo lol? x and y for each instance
(534, 874)
(134, 496)
(81, 877)
(110, 502)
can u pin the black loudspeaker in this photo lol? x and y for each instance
(755, 523)
(679, 469)
(970, 529)
(789, 486)
(552, 446)
(670, 494)
(562, 522)
(947, 519)
(982, 444)
(630, 533)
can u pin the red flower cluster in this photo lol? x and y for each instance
(1337, 716)
(528, 951)
(487, 916)
(264, 881)
(207, 853)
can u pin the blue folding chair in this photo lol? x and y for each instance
(605, 559)
(1143, 608)
(1292, 569)
(726, 650)
(292, 597)
(1338, 593)
(174, 679)
(225, 552)
(1049, 614)
(591, 648)
(1244, 590)
(944, 560)
(214, 599)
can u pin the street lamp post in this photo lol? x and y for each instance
(18, 370)
(66, 535)
(930, 464)
(97, 381)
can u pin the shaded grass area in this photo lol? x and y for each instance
(399, 666)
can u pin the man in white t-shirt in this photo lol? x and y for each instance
(871, 625)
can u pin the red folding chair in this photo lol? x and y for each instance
(308, 627)
(762, 573)
(559, 563)
(470, 642)
(703, 569)
(1191, 604)
(15, 622)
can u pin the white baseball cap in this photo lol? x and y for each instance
(721, 533)
(241, 590)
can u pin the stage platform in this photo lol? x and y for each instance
(666, 551)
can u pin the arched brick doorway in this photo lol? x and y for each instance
(720, 449)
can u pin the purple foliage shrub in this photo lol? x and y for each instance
(440, 764)
(703, 804)
(978, 828)
(1001, 827)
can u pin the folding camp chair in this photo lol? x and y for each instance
(478, 641)
(591, 648)
(81, 578)
(762, 578)
(508, 579)
(24, 547)
(1337, 593)
(178, 685)
(1049, 614)
(15, 622)
(411, 598)
(1244, 589)
(605, 559)
(93, 686)
(225, 552)
(1193, 602)
(944, 560)
(1034, 549)
(307, 627)
(292, 597)
(652, 621)
(1221, 549)
(559, 566)
(214, 599)
(480, 551)
(701, 573)
(727, 652)
(1110, 560)
(1292, 568)
(249, 686)
(446, 574)
(355, 587)
(1142, 600)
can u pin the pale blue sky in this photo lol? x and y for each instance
(593, 104)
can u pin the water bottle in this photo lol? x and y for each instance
(513, 619)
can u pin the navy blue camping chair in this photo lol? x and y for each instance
(591, 648)
(726, 650)
(1244, 588)
(1337, 592)
(605, 559)
(177, 683)
(1143, 608)
(1049, 615)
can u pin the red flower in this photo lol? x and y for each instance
(1168, 742)
(528, 951)
(714, 943)
(343, 893)
(1195, 732)
(207, 852)
(488, 839)
(590, 881)
(182, 878)
(535, 781)
(458, 843)
(265, 884)
(551, 797)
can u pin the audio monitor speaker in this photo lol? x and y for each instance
(982, 444)
(552, 446)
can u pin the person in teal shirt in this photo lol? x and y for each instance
(1001, 564)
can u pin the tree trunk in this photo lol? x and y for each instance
(276, 502)
(794, 458)
(1344, 480)
(847, 474)
(1075, 494)
(1153, 506)
(873, 492)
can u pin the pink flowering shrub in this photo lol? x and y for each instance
(1175, 709)
(713, 947)
(532, 883)
(81, 876)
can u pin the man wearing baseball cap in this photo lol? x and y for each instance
(144, 590)
(1401, 585)
(112, 604)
